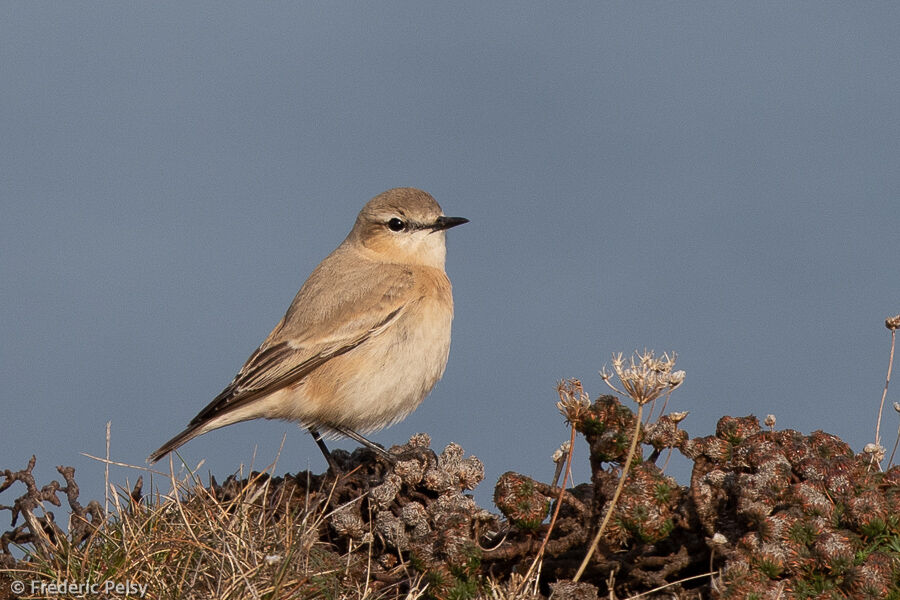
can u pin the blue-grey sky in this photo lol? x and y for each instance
(717, 179)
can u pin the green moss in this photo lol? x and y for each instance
(812, 586)
(875, 528)
(769, 568)
(802, 533)
(463, 590)
(592, 426)
(462, 582)
(528, 524)
(662, 493)
(525, 507)
(417, 563)
(667, 527)
(892, 545)
(472, 554)
(839, 565)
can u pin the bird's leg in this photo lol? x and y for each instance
(332, 466)
(367, 443)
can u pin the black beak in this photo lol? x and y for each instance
(442, 223)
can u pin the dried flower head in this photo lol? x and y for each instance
(892, 323)
(561, 452)
(574, 402)
(644, 377)
(770, 421)
(876, 451)
(678, 417)
(897, 406)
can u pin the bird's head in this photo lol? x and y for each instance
(406, 226)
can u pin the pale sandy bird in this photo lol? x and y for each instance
(365, 339)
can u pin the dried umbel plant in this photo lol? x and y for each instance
(574, 403)
(644, 378)
(875, 453)
(892, 323)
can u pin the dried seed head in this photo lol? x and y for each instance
(676, 379)
(678, 417)
(574, 402)
(892, 323)
(645, 377)
(617, 361)
(897, 406)
(875, 450)
(770, 421)
(561, 452)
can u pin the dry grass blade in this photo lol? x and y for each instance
(668, 585)
(191, 543)
(562, 489)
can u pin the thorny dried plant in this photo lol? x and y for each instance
(296, 536)
(39, 528)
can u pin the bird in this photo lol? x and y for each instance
(363, 342)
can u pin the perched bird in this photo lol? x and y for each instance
(365, 339)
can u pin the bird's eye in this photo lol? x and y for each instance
(396, 224)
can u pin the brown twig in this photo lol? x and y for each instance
(887, 382)
(893, 323)
(559, 500)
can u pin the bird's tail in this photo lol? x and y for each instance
(183, 437)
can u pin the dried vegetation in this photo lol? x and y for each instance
(767, 514)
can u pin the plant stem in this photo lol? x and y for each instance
(562, 491)
(615, 498)
(887, 382)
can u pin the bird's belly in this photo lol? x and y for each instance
(380, 381)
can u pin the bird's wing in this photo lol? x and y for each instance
(300, 344)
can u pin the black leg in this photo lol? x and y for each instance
(321, 444)
(367, 443)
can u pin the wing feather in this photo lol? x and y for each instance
(301, 342)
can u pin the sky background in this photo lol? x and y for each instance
(717, 179)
